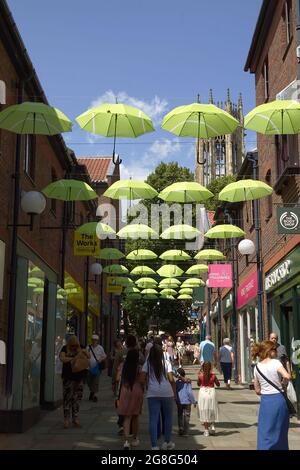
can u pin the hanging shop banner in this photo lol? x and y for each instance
(220, 275)
(86, 245)
(288, 220)
(247, 290)
(111, 286)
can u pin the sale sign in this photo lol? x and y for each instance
(220, 275)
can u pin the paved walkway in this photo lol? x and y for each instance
(236, 430)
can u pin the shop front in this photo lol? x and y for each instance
(282, 287)
(248, 325)
(227, 306)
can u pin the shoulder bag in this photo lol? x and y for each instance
(291, 408)
(96, 370)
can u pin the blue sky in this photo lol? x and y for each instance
(155, 55)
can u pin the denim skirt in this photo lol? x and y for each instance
(273, 423)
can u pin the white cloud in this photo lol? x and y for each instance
(155, 108)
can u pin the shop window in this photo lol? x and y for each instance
(29, 149)
(269, 201)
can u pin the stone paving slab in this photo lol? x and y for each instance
(236, 430)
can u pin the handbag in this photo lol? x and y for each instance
(80, 363)
(290, 406)
(290, 391)
(96, 370)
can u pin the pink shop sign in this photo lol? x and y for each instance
(247, 290)
(220, 275)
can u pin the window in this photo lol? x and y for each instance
(29, 144)
(220, 157)
(269, 202)
(286, 152)
(266, 78)
(288, 20)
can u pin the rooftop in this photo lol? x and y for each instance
(99, 167)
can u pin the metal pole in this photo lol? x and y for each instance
(219, 319)
(208, 311)
(234, 313)
(86, 298)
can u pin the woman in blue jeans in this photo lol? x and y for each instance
(161, 393)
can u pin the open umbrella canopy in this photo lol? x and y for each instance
(134, 296)
(123, 281)
(131, 290)
(36, 281)
(149, 291)
(245, 190)
(111, 253)
(130, 189)
(34, 118)
(168, 297)
(185, 192)
(142, 270)
(202, 121)
(210, 255)
(96, 228)
(167, 282)
(186, 290)
(175, 255)
(169, 270)
(197, 269)
(171, 285)
(275, 118)
(146, 282)
(184, 297)
(150, 297)
(180, 232)
(112, 120)
(136, 231)
(69, 190)
(225, 231)
(168, 292)
(141, 255)
(193, 282)
(115, 269)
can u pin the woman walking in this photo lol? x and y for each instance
(273, 418)
(131, 397)
(226, 360)
(75, 361)
(207, 400)
(161, 393)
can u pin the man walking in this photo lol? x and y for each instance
(97, 358)
(281, 352)
(208, 351)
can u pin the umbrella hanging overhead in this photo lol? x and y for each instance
(134, 296)
(175, 255)
(275, 118)
(168, 292)
(136, 231)
(185, 192)
(193, 282)
(184, 297)
(146, 282)
(141, 255)
(245, 190)
(150, 297)
(149, 291)
(123, 281)
(168, 297)
(197, 269)
(169, 270)
(166, 282)
(224, 231)
(210, 255)
(142, 270)
(115, 269)
(186, 290)
(131, 290)
(130, 189)
(34, 118)
(96, 228)
(202, 121)
(111, 253)
(69, 190)
(180, 232)
(171, 285)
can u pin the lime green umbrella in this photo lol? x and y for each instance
(115, 269)
(186, 290)
(150, 297)
(197, 269)
(180, 232)
(185, 192)
(175, 255)
(202, 121)
(110, 253)
(184, 297)
(143, 271)
(146, 282)
(171, 285)
(130, 189)
(168, 297)
(134, 296)
(275, 118)
(36, 281)
(245, 190)
(137, 231)
(210, 255)
(131, 290)
(34, 118)
(38, 290)
(149, 291)
(69, 190)
(96, 228)
(124, 281)
(170, 270)
(167, 282)
(225, 231)
(193, 282)
(168, 292)
(141, 255)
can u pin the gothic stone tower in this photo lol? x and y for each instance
(223, 155)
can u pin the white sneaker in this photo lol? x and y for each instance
(206, 433)
(212, 430)
(168, 446)
(155, 448)
(135, 442)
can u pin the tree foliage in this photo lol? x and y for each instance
(216, 187)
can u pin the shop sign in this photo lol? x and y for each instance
(86, 245)
(247, 290)
(288, 220)
(220, 275)
(278, 275)
(111, 285)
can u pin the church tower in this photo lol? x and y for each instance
(223, 155)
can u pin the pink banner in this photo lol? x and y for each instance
(247, 290)
(220, 275)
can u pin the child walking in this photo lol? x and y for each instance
(184, 400)
(207, 400)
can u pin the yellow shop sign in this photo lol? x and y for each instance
(86, 245)
(111, 285)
